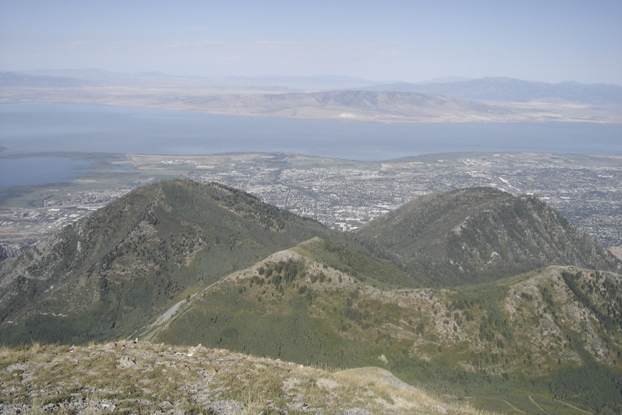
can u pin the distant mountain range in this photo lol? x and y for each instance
(17, 79)
(508, 89)
(75, 77)
(352, 105)
(473, 292)
(325, 97)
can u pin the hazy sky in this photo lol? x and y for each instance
(540, 40)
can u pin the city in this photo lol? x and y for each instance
(344, 194)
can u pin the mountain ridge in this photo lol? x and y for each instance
(184, 263)
(549, 325)
(165, 235)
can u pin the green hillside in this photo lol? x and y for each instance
(109, 274)
(480, 234)
(476, 295)
(554, 333)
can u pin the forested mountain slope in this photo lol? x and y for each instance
(480, 234)
(110, 273)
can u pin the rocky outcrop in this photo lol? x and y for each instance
(10, 251)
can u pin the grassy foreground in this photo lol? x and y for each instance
(150, 378)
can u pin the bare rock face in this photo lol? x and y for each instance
(10, 251)
(616, 251)
(126, 362)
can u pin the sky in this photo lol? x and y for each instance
(390, 40)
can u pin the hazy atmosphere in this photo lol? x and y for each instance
(548, 41)
(294, 207)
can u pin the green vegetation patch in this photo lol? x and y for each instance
(356, 262)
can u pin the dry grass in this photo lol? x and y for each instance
(150, 378)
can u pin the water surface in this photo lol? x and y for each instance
(27, 128)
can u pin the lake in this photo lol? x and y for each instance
(26, 128)
(30, 128)
(37, 170)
